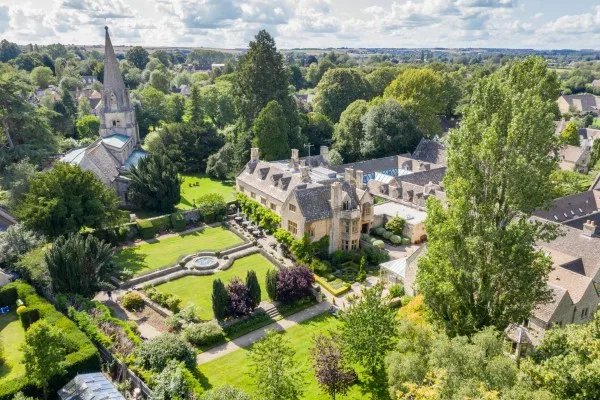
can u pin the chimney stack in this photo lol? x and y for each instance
(359, 179)
(254, 152)
(304, 173)
(336, 195)
(589, 228)
(294, 159)
(348, 175)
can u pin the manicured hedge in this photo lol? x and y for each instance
(83, 359)
(162, 223)
(29, 316)
(178, 222)
(146, 228)
(8, 296)
(334, 291)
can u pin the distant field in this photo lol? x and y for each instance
(189, 192)
(155, 254)
(197, 290)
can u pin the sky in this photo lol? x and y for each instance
(539, 24)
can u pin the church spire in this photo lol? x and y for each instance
(113, 81)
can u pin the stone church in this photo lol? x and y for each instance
(118, 147)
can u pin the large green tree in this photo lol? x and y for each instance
(155, 184)
(368, 330)
(570, 135)
(481, 267)
(421, 91)
(80, 264)
(317, 129)
(138, 56)
(26, 130)
(273, 368)
(388, 129)
(44, 353)
(270, 131)
(65, 199)
(348, 133)
(337, 89)
(381, 77)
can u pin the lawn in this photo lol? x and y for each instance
(155, 254)
(206, 185)
(12, 336)
(234, 368)
(197, 290)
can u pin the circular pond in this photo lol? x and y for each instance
(205, 262)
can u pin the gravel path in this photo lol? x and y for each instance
(254, 336)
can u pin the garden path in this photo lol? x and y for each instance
(254, 336)
(145, 321)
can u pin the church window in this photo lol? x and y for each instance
(114, 123)
(113, 102)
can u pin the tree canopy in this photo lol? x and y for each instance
(155, 184)
(270, 129)
(337, 89)
(481, 267)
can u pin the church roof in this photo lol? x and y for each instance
(116, 140)
(134, 158)
(112, 75)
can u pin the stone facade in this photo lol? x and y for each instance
(310, 198)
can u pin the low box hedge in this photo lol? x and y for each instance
(329, 287)
(162, 223)
(83, 359)
(146, 229)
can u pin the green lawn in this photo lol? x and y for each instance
(155, 254)
(206, 185)
(12, 337)
(197, 290)
(234, 368)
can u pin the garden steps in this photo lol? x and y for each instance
(272, 311)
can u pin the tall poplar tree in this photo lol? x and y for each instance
(481, 267)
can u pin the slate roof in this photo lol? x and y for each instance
(572, 207)
(6, 220)
(518, 334)
(589, 133)
(545, 311)
(93, 386)
(314, 202)
(574, 283)
(431, 151)
(574, 243)
(370, 166)
(584, 102)
(571, 153)
(422, 178)
(113, 81)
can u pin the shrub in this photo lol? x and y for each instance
(154, 354)
(380, 231)
(167, 300)
(178, 222)
(21, 310)
(320, 267)
(145, 228)
(132, 301)
(405, 241)
(220, 299)
(240, 302)
(174, 323)
(387, 235)
(395, 239)
(8, 296)
(29, 316)
(294, 283)
(253, 288)
(395, 225)
(396, 290)
(374, 255)
(226, 393)
(379, 244)
(204, 333)
(162, 223)
(284, 237)
(170, 383)
(212, 207)
(339, 257)
(271, 284)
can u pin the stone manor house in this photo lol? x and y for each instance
(118, 147)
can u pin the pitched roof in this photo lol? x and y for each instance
(589, 133)
(583, 102)
(431, 151)
(574, 243)
(113, 81)
(545, 311)
(370, 166)
(117, 140)
(571, 154)
(314, 202)
(422, 178)
(6, 219)
(576, 284)
(571, 207)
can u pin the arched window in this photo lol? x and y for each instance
(113, 102)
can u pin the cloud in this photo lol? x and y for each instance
(4, 18)
(488, 3)
(100, 8)
(575, 24)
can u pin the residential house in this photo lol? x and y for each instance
(574, 158)
(118, 147)
(310, 198)
(582, 103)
(431, 151)
(414, 226)
(588, 136)
(403, 270)
(573, 210)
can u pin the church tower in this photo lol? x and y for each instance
(117, 116)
